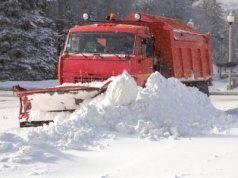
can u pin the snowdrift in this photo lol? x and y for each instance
(165, 108)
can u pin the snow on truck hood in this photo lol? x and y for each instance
(165, 108)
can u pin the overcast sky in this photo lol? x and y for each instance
(226, 1)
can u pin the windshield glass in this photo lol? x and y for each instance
(103, 43)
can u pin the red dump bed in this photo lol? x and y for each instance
(182, 49)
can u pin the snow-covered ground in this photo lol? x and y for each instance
(165, 130)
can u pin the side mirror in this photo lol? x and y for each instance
(144, 41)
(150, 46)
(58, 41)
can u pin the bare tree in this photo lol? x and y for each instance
(176, 9)
(210, 19)
(233, 7)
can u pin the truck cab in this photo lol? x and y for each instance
(98, 51)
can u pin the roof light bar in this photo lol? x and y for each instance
(112, 16)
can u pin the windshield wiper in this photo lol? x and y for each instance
(97, 54)
(112, 52)
(76, 52)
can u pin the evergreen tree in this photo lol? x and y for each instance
(27, 42)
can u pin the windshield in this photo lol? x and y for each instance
(103, 43)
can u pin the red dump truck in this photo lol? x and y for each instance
(139, 44)
(159, 44)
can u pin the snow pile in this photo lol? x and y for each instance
(165, 108)
(122, 91)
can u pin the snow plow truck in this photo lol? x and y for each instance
(97, 50)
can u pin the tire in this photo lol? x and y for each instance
(201, 86)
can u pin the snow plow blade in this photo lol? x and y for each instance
(40, 106)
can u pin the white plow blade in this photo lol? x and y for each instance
(57, 102)
(47, 103)
(47, 107)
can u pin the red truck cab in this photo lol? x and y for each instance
(97, 52)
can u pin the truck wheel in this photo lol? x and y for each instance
(203, 87)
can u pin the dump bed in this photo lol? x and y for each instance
(184, 52)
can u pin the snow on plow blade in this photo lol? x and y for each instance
(40, 106)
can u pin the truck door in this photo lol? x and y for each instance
(145, 61)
